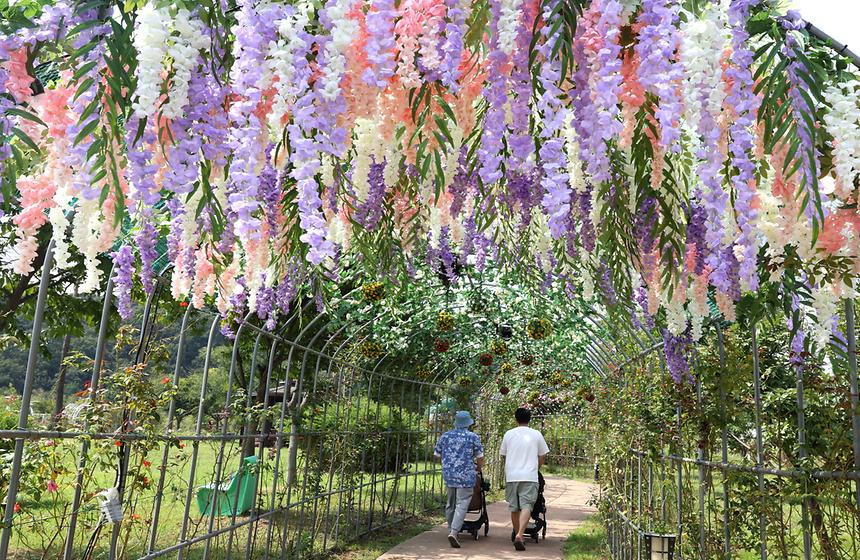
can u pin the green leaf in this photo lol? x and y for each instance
(15, 112)
(18, 133)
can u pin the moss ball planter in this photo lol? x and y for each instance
(370, 349)
(539, 329)
(441, 345)
(499, 347)
(485, 359)
(373, 292)
(445, 322)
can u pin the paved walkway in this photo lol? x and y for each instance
(566, 508)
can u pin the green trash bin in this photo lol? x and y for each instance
(233, 498)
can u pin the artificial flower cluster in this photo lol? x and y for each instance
(305, 134)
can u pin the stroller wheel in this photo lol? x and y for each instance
(475, 535)
(486, 528)
(536, 538)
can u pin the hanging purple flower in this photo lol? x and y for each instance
(254, 31)
(696, 236)
(146, 194)
(555, 182)
(606, 285)
(452, 46)
(369, 212)
(123, 259)
(675, 349)
(305, 155)
(522, 194)
(586, 228)
(746, 103)
(658, 71)
(803, 113)
(464, 184)
(496, 93)
(380, 43)
(521, 144)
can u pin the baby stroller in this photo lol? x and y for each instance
(537, 525)
(478, 505)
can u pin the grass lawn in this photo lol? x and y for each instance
(318, 519)
(372, 547)
(587, 542)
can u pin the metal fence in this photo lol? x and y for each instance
(786, 486)
(340, 447)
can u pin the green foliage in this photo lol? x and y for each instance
(362, 435)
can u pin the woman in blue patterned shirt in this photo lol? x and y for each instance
(460, 451)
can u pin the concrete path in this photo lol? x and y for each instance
(566, 508)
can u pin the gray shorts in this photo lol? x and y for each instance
(521, 495)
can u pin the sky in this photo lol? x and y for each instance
(838, 18)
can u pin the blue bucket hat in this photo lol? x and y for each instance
(462, 419)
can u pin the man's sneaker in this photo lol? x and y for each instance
(455, 542)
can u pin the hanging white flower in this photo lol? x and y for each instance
(843, 124)
(280, 61)
(704, 41)
(509, 22)
(824, 304)
(150, 39)
(676, 316)
(188, 41)
(343, 31)
(574, 164)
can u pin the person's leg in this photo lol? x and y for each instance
(464, 496)
(451, 506)
(527, 496)
(511, 498)
(524, 514)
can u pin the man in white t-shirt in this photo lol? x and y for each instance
(524, 451)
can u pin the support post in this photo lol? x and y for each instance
(27, 393)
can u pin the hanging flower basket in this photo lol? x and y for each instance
(533, 398)
(539, 329)
(371, 349)
(462, 360)
(498, 347)
(485, 359)
(527, 359)
(506, 369)
(504, 390)
(529, 376)
(445, 321)
(441, 345)
(478, 303)
(464, 381)
(373, 292)
(422, 373)
(557, 378)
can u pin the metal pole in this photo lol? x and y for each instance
(171, 411)
(855, 391)
(94, 384)
(759, 446)
(24, 415)
(724, 444)
(801, 453)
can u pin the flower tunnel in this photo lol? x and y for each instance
(257, 253)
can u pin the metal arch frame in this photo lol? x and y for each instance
(325, 361)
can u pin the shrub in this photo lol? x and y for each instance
(363, 435)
